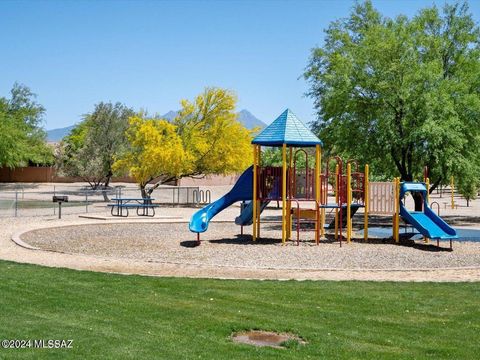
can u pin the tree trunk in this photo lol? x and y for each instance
(105, 187)
(143, 191)
(418, 199)
(105, 195)
(107, 179)
(436, 185)
(147, 193)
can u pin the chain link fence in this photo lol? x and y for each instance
(31, 201)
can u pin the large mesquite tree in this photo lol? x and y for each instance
(155, 153)
(89, 150)
(401, 93)
(205, 138)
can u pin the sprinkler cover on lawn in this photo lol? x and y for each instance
(266, 338)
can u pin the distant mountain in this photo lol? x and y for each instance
(170, 115)
(249, 120)
(245, 117)
(56, 135)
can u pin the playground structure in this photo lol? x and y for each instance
(389, 198)
(306, 192)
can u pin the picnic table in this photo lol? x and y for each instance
(144, 206)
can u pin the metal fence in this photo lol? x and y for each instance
(20, 202)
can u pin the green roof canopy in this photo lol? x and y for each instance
(287, 129)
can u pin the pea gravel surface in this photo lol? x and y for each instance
(223, 246)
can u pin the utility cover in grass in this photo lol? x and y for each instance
(267, 338)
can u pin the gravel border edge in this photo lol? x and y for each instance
(16, 238)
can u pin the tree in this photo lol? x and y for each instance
(272, 156)
(90, 149)
(401, 93)
(156, 150)
(211, 132)
(205, 138)
(22, 138)
(468, 186)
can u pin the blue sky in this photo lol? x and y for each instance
(151, 54)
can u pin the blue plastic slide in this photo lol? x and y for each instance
(426, 222)
(246, 216)
(242, 190)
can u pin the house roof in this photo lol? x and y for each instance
(287, 129)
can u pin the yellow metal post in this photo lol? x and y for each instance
(394, 226)
(349, 202)
(366, 208)
(284, 193)
(254, 197)
(258, 219)
(337, 170)
(318, 225)
(452, 186)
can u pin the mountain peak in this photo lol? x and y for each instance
(56, 135)
(170, 115)
(245, 117)
(249, 120)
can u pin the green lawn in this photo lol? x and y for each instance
(118, 317)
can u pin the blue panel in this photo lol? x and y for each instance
(412, 187)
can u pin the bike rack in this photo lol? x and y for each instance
(202, 197)
(438, 207)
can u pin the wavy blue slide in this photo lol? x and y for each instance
(241, 191)
(426, 222)
(246, 216)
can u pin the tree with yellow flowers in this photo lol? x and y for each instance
(205, 138)
(155, 151)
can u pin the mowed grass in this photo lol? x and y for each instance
(132, 317)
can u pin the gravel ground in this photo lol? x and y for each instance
(223, 246)
(172, 256)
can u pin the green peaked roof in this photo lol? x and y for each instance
(287, 129)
